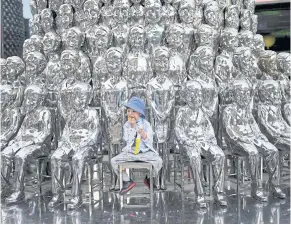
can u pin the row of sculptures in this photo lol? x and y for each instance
(207, 88)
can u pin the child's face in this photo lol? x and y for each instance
(132, 115)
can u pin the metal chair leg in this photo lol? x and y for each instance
(39, 175)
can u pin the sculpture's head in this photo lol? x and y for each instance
(242, 58)
(15, 67)
(152, 11)
(99, 36)
(65, 16)
(268, 62)
(52, 43)
(70, 63)
(32, 44)
(250, 5)
(48, 20)
(245, 39)
(259, 44)
(203, 58)
(35, 25)
(34, 96)
(245, 20)
(161, 60)
(187, 11)
(74, 38)
(229, 39)
(92, 11)
(35, 63)
(198, 16)
(284, 62)
(270, 92)
(223, 67)
(206, 35)
(193, 94)
(7, 96)
(136, 37)
(211, 13)
(242, 93)
(82, 96)
(120, 11)
(114, 56)
(175, 35)
(54, 75)
(254, 24)
(232, 16)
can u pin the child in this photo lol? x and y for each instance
(136, 127)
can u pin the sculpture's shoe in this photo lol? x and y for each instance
(117, 187)
(220, 199)
(15, 197)
(163, 187)
(278, 193)
(201, 202)
(56, 200)
(75, 202)
(259, 195)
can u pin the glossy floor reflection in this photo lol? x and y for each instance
(170, 206)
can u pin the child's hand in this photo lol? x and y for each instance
(143, 134)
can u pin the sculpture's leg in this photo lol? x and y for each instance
(271, 156)
(6, 167)
(195, 163)
(159, 175)
(111, 154)
(81, 156)
(164, 170)
(116, 178)
(22, 158)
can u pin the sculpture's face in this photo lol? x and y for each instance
(65, 16)
(242, 95)
(47, 20)
(232, 17)
(153, 14)
(284, 63)
(54, 75)
(245, 20)
(7, 96)
(175, 36)
(114, 62)
(70, 62)
(198, 16)
(250, 5)
(193, 96)
(272, 64)
(98, 37)
(206, 60)
(35, 63)
(136, 38)
(206, 36)
(33, 97)
(246, 60)
(161, 61)
(223, 67)
(120, 13)
(92, 11)
(34, 43)
(35, 24)
(229, 40)
(15, 67)
(74, 39)
(271, 93)
(51, 43)
(211, 14)
(187, 14)
(221, 3)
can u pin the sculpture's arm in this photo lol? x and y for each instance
(16, 119)
(46, 126)
(263, 120)
(210, 132)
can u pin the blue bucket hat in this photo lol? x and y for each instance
(137, 105)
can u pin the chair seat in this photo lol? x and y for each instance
(136, 165)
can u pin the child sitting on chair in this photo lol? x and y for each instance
(138, 135)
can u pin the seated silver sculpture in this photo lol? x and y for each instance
(243, 137)
(161, 98)
(65, 18)
(78, 143)
(35, 26)
(195, 135)
(32, 140)
(232, 17)
(48, 21)
(270, 117)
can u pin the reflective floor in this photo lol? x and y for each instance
(171, 206)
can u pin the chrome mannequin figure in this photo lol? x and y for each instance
(98, 40)
(136, 13)
(161, 98)
(35, 26)
(231, 17)
(10, 115)
(250, 5)
(254, 27)
(92, 13)
(154, 31)
(137, 67)
(114, 93)
(239, 3)
(228, 41)
(258, 46)
(268, 65)
(78, 142)
(195, 135)
(15, 70)
(206, 36)
(107, 13)
(55, 4)
(52, 43)
(269, 116)
(243, 136)
(74, 39)
(186, 14)
(32, 44)
(212, 15)
(245, 20)
(169, 13)
(32, 140)
(48, 22)
(65, 18)
(120, 27)
(35, 66)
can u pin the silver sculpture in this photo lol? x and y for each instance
(161, 98)
(41, 5)
(35, 66)
(32, 141)
(48, 20)
(212, 15)
(136, 13)
(206, 36)
(35, 26)
(244, 137)
(91, 14)
(196, 137)
(79, 142)
(107, 13)
(245, 20)
(228, 41)
(32, 44)
(65, 19)
(114, 93)
(232, 16)
(268, 65)
(169, 13)
(55, 4)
